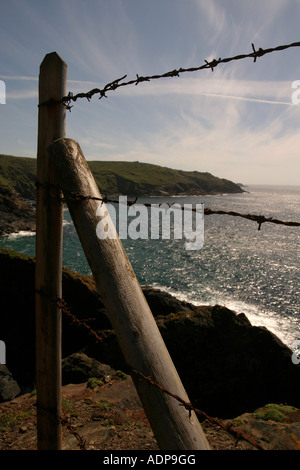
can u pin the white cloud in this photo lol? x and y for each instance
(273, 92)
(21, 94)
(19, 77)
(213, 18)
(276, 92)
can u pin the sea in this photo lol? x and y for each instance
(251, 271)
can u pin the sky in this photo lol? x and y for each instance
(237, 122)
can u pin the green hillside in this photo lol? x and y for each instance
(18, 173)
(128, 178)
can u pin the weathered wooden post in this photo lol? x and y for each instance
(138, 335)
(49, 223)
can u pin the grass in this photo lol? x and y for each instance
(18, 173)
(103, 404)
(131, 178)
(121, 375)
(13, 418)
(273, 412)
(94, 382)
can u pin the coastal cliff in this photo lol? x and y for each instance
(15, 213)
(134, 179)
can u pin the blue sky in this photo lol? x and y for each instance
(237, 122)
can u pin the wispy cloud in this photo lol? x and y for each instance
(21, 95)
(244, 98)
(214, 20)
(19, 78)
(269, 92)
(272, 92)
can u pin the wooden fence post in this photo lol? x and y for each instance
(48, 280)
(138, 335)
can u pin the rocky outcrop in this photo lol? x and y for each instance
(273, 427)
(15, 214)
(163, 303)
(78, 368)
(228, 366)
(9, 388)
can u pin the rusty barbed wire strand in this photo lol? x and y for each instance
(66, 309)
(260, 219)
(66, 100)
(62, 304)
(65, 421)
(188, 406)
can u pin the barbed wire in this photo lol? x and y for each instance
(66, 421)
(62, 304)
(188, 406)
(66, 100)
(66, 309)
(102, 92)
(260, 219)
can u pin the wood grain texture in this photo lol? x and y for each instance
(49, 223)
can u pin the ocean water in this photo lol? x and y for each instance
(249, 271)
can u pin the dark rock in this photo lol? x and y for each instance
(162, 303)
(9, 388)
(78, 368)
(273, 427)
(17, 315)
(227, 365)
(16, 214)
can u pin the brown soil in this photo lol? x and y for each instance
(109, 417)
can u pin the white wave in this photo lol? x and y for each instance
(22, 233)
(67, 222)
